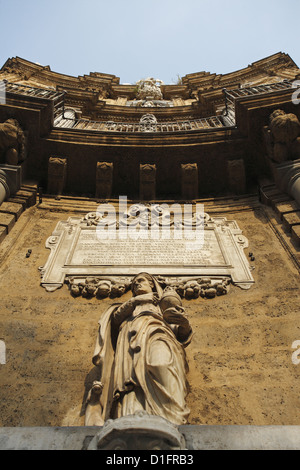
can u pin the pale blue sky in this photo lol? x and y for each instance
(134, 39)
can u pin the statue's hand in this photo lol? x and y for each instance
(145, 298)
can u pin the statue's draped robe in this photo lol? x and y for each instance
(142, 366)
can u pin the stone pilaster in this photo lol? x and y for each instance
(236, 176)
(147, 181)
(189, 180)
(104, 180)
(57, 174)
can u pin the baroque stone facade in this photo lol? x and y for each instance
(227, 313)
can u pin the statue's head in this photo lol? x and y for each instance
(142, 284)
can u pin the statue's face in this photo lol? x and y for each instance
(141, 285)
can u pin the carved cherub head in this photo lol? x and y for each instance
(104, 288)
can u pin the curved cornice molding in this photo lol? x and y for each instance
(109, 84)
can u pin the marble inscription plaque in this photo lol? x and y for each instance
(77, 251)
(89, 250)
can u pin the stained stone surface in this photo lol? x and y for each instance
(240, 358)
(3, 233)
(12, 208)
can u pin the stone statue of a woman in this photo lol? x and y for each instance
(141, 357)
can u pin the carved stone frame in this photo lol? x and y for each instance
(63, 243)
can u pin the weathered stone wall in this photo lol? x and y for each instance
(240, 359)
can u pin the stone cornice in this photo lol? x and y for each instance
(191, 84)
(267, 66)
(43, 74)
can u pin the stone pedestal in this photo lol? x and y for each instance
(138, 432)
(147, 181)
(57, 174)
(189, 180)
(104, 180)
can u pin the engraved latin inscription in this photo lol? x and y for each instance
(89, 250)
(77, 250)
